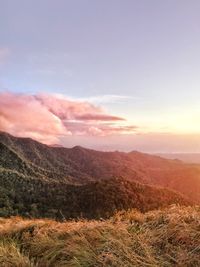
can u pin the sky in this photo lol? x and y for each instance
(104, 74)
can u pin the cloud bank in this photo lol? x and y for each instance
(48, 118)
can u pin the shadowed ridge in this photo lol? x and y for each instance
(103, 198)
(34, 197)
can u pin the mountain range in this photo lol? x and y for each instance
(50, 181)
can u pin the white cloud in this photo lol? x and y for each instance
(110, 98)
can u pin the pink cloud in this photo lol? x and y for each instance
(99, 117)
(67, 109)
(46, 118)
(23, 115)
(99, 129)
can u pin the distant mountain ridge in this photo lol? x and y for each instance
(186, 157)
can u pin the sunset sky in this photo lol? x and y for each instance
(104, 74)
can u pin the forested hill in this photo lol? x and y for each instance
(78, 165)
(41, 181)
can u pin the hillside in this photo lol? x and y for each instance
(24, 157)
(29, 197)
(163, 238)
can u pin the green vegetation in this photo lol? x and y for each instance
(24, 157)
(29, 197)
(162, 238)
(40, 181)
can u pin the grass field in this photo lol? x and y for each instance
(169, 237)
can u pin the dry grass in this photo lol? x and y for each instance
(169, 237)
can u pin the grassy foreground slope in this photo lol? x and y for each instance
(169, 237)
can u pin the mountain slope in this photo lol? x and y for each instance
(79, 165)
(103, 198)
(27, 196)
